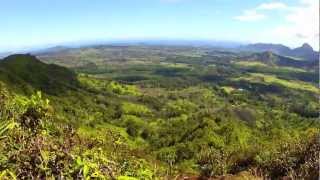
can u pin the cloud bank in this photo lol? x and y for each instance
(301, 22)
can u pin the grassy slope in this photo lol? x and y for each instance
(270, 79)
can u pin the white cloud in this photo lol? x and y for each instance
(272, 6)
(250, 15)
(255, 14)
(302, 24)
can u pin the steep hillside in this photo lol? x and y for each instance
(27, 71)
(274, 59)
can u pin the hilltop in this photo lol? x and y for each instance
(27, 71)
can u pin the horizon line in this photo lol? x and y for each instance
(140, 41)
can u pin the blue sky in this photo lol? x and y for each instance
(33, 23)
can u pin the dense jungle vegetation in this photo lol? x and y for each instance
(112, 112)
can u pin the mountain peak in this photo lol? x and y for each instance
(306, 46)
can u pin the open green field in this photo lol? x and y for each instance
(271, 79)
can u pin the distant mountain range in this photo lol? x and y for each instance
(305, 52)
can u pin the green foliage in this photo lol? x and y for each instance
(135, 109)
(96, 84)
(169, 156)
(123, 89)
(194, 113)
(134, 125)
(179, 107)
(126, 178)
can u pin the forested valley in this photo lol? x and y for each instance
(158, 112)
